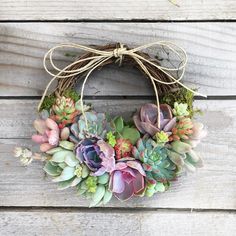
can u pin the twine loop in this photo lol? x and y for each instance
(95, 58)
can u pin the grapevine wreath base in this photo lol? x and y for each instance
(102, 156)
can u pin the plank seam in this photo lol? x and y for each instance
(118, 21)
(121, 97)
(111, 209)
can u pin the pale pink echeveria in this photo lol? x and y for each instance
(48, 134)
(127, 180)
(147, 118)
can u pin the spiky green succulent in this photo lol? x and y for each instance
(156, 163)
(95, 125)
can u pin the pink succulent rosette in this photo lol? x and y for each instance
(48, 134)
(127, 180)
(146, 119)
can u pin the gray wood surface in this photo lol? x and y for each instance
(199, 204)
(212, 187)
(211, 57)
(83, 223)
(117, 10)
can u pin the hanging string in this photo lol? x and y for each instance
(101, 56)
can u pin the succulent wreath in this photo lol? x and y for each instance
(102, 156)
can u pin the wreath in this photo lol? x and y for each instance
(102, 156)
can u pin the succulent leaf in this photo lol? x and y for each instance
(67, 173)
(119, 124)
(51, 169)
(107, 197)
(65, 184)
(71, 160)
(66, 145)
(131, 133)
(103, 179)
(98, 195)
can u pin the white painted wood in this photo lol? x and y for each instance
(211, 50)
(117, 10)
(212, 187)
(117, 223)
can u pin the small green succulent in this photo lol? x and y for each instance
(111, 138)
(152, 188)
(96, 189)
(161, 137)
(180, 109)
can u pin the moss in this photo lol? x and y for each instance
(70, 54)
(51, 99)
(48, 102)
(181, 96)
(70, 93)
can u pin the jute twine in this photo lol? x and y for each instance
(161, 77)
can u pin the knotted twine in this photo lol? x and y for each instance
(96, 58)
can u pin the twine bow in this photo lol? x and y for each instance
(101, 56)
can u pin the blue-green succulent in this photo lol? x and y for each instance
(156, 163)
(97, 125)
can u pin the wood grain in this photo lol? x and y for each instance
(117, 10)
(212, 187)
(116, 223)
(211, 66)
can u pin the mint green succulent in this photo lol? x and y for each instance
(64, 167)
(67, 171)
(182, 154)
(155, 161)
(97, 126)
(180, 109)
(96, 189)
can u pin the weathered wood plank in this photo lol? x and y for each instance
(117, 10)
(212, 187)
(211, 67)
(116, 223)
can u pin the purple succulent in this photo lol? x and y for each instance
(97, 155)
(146, 119)
(127, 180)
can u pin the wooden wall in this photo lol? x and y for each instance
(203, 203)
